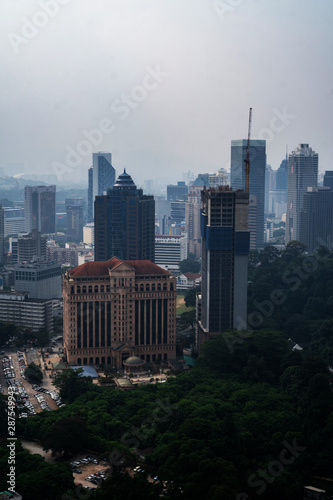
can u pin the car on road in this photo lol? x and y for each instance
(77, 471)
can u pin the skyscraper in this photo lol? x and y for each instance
(316, 218)
(40, 208)
(328, 179)
(124, 222)
(302, 173)
(257, 184)
(192, 217)
(101, 177)
(74, 223)
(225, 248)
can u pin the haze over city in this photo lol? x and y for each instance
(168, 85)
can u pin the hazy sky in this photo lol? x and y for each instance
(164, 84)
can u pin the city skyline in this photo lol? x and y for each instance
(159, 103)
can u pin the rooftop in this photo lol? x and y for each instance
(101, 268)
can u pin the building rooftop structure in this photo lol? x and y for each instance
(101, 268)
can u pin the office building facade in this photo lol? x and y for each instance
(124, 222)
(170, 250)
(42, 280)
(302, 174)
(40, 208)
(19, 309)
(117, 309)
(101, 177)
(316, 219)
(225, 248)
(256, 184)
(193, 217)
(74, 231)
(31, 246)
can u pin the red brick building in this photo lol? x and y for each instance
(115, 309)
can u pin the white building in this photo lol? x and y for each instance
(170, 250)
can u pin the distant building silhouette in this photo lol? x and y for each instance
(316, 218)
(257, 184)
(101, 177)
(40, 208)
(328, 179)
(302, 173)
(177, 192)
(74, 223)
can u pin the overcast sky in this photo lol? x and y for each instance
(164, 84)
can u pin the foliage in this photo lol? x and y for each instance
(33, 373)
(71, 384)
(35, 478)
(211, 428)
(189, 266)
(188, 318)
(190, 297)
(65, 436)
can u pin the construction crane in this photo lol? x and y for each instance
(247, 159)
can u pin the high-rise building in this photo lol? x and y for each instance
(116, 309)
(124, 222)
(31, 246)
(193, 216)
(74, 223)
(328, 179)
(282, 175)
(101, 177)
(225, 248)
(177, 192)
(256, 185)
(40, 208)
(316, 218)
(302, 173)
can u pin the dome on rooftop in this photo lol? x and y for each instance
(134, 361)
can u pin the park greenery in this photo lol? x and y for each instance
(252, 419)
(33, 373)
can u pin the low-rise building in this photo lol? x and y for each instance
(20, 309)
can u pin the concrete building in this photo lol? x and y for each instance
(40, 208)
(101, 177)
(18, 308)
(41, 279)
(225, 248)
(328, 179)
(117, 309)
(31, 246)
(14, 219)
(316, 218)
(124, 222)
(74, 223)
(257, 184)
(302, 173)
(193, 217)
(170, 250)
(177, 192)
(89, 233)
